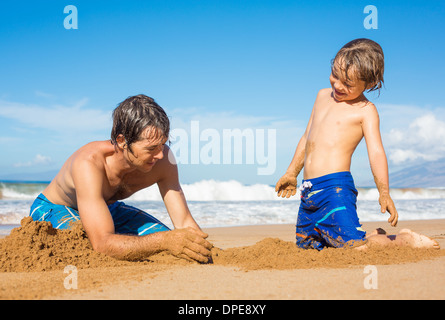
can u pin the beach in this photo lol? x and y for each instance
(249, 262)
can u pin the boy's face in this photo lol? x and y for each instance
(344, 89)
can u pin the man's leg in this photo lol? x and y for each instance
(61, 217)
(131, 220)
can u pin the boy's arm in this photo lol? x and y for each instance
(378, 161)
(287, 185)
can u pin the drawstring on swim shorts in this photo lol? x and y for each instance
(304, 185)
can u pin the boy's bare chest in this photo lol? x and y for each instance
(335, 127)
(337, 117)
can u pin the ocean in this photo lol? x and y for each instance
(231, 203)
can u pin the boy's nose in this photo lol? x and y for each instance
(338, 86)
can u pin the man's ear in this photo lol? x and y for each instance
(121, 142)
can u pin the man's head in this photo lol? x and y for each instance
(360, 61)
(134, 115)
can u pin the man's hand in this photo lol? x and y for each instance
(286, 186)
(189, 244)
(386, 204)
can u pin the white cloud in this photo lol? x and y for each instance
(422, 139)
(59, 118)
(39, 160)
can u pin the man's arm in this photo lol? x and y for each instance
(378, 161)
(172, 194)
(99, 226)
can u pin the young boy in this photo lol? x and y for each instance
(340, 118)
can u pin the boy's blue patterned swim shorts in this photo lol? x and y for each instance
(328, 214)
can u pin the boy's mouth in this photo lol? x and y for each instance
(339, 93)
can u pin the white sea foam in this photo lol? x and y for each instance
(20, 191)
(211, 190)
(232, 190)
(403, 194)
(228, 203)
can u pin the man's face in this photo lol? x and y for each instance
(147, 150)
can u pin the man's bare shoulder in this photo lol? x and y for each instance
(94, 150)
(92, 155)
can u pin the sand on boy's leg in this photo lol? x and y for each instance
(405, 238)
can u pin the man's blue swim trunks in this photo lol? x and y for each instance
(328, 214)
(127, 219)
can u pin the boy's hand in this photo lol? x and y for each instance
(286, 186)
(386, 204)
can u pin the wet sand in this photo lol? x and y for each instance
(249, 262)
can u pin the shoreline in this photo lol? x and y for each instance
(397, 279)
(368, 226)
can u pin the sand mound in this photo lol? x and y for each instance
(278, 254)
(37, 246)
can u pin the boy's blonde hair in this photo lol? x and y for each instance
(364, 58)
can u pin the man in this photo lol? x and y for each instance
(99, 174)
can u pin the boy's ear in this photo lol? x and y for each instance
(370, 86)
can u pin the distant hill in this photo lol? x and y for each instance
(38, 176)
(426, 175)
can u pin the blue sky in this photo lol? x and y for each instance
(227, 64)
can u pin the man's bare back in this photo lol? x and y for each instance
(116, 187)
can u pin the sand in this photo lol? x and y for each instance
(249, 262)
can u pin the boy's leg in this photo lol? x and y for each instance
(328, 212)
(405, 238)
(306, 236)
(338, 223)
